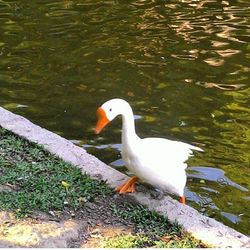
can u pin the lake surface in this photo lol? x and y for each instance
(182, 65)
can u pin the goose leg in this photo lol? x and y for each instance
(183, 199)
(129, 186)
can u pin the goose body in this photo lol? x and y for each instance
(157, 161)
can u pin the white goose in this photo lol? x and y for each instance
(157, 161)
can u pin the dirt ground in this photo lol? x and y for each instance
(86, 228)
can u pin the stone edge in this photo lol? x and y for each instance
(208, 230)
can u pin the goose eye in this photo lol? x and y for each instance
(110, 109)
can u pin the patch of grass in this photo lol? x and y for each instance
(142, 240)
(153, 229)
(182, 241)
(146, 221)
(41, 181)
(127, 241)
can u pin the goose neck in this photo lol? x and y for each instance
(128, 128)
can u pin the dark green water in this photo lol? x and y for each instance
(183, 66)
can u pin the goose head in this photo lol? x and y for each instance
(109, 111)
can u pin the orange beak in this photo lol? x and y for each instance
(102, 120)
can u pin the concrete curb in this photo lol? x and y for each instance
(207, 230)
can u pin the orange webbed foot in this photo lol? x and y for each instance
(128, 187)
(183, 199)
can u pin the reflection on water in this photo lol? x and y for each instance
(215, 175)
(183, 66)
